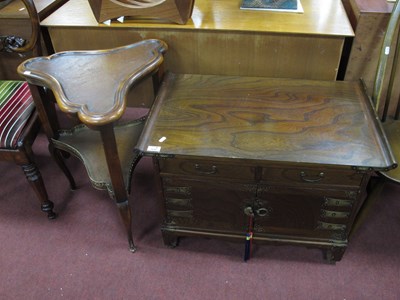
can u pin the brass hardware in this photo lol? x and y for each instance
(180, 213)
(248, 211)
(263, 212)
(205, 171)
(360, 169)
(352, 195)
(340, 236)
(258, 228)
(252, 188)
(183, 190)
(334, 214)
(337, 202)
(331, 226)
(178, 201)
(306, 178)
(263, 188)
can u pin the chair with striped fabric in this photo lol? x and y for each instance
(19, 123)
(16, 106)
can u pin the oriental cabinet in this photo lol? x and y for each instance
(289, 159)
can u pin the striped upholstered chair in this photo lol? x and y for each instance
(19, 123)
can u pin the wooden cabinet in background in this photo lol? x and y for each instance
(222, 39)
(369, 19)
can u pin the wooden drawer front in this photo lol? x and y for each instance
(313, 213)
(206, 168)
(312, 176)
(206, 205)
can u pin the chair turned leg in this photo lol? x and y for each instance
(36, 182)
(59, 156)
(126, 216)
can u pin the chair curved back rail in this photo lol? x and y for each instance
(19, 123)
(13, 43)
(93, 85)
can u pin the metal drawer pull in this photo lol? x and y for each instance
(305, 178)
(331, 226)
(262, 212)
(204, 171)
(334, 214)
(181, 190)
(180, 213)
(337, 202)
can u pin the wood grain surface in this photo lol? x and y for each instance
(222, 39)
(266, 119)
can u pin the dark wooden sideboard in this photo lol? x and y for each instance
(227, 146)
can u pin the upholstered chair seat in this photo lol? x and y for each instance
(16, 107)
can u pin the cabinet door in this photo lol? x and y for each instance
(319, 213)
(213, 205)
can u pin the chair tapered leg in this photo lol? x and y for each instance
(35, 180)
(58, 156)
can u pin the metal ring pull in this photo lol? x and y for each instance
(262, 212)
(204, 171)
(304, 177)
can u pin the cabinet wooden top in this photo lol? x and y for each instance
(276, 120)
(327, 18)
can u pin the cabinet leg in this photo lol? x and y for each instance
(170, 240)
(334, 254)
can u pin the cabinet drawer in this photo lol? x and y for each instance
(288, 175)
(206, 168)
(206, 205)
